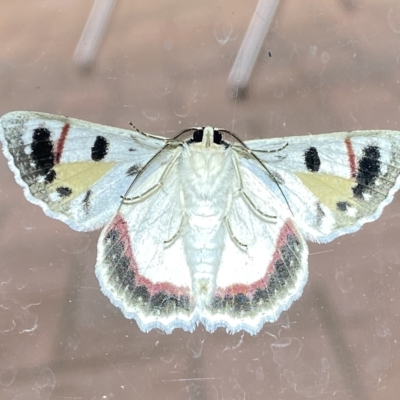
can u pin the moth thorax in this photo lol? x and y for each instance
(207, 162)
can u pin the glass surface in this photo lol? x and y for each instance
(324, 66)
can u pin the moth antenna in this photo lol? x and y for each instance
(148, 135)
(183, 132)
(136, 129)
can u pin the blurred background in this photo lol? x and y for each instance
(324, 66)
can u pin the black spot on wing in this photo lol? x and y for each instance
(141, 293)
(99, 149)
(51, 175)
(282, 275)
(342, 205)
(312, 160)
(369, 168)
(241, 303)
(42, 153)
(86, 200)
(124, 275)
(167, 304)
(64, 191)
(133, 170)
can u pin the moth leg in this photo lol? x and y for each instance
(174, 237)
(164, 139)
(233, 237)
(143, 196)
(238, 243)
(171, 240)
(246, 197)
(153, 189)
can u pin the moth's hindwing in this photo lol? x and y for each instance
(140, 267)
(75, 170)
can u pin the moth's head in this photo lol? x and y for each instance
(208, 136)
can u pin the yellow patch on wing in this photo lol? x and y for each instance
(79, 177)
(329, 189)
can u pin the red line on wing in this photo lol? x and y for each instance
(262, 283)
(61, 142)
(120, 225)
(352, 157)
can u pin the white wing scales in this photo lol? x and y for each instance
(146, 279)
(345, 180)
(207, 232)
(252, 285)
(75, 170)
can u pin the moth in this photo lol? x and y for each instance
(202, 228)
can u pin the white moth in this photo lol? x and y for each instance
(198, 229)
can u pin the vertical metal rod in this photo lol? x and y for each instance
(251, 46)
(93, 32)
